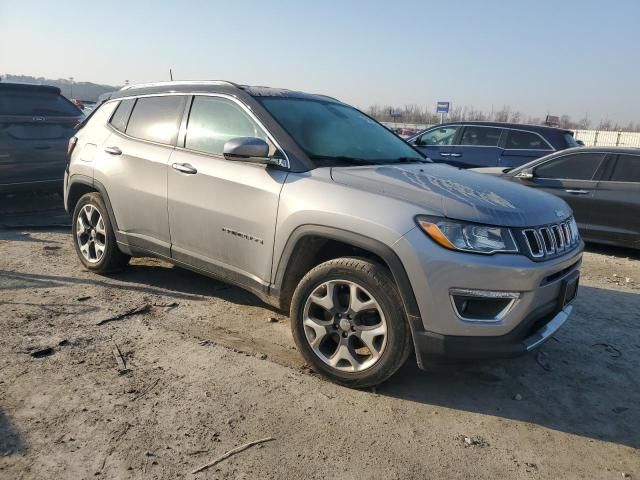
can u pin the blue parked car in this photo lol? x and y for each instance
(490, 144)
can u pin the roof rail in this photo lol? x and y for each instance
(178, 82)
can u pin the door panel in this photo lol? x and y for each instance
(616, 213)
(225, 214)
(136, 181)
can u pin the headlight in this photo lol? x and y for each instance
(468, 237)
(573, 226)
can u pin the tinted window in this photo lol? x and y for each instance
(20, 102)
(569, 140)
(581, 166)
(438, 136)
(213, 121)
(519, 140)
(156, 118)
(481, 136)
(121, 115)
(627, 169)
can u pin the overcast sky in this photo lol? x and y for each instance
(574, 57)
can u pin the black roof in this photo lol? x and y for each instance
(506, 125)
(221, 86)
(30, 87)
(603, 149)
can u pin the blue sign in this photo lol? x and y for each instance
(442, 107)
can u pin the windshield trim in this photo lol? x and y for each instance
(420, 157)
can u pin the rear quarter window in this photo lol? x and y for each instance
(121, 115)
(34, 103)
(569, 140)
(627, 169)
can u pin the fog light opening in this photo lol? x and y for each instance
(482, 305)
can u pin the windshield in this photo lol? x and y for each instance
(329, 131)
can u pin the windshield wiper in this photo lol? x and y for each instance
(341, 159)
(409, 160)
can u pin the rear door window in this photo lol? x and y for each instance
(121, 116)
(580, 166)
(157, 119)
(34, 103)
(521, 140)
(481, 136)
(627, 169)
(438, 136)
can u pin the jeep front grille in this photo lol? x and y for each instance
(551, 240)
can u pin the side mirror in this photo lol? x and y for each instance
(249, 149)
(525, 174)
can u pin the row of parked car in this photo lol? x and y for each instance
(602, 184)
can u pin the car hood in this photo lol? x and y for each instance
(440, 189)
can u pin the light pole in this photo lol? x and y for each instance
(71, 87)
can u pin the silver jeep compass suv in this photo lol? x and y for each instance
(321, 211)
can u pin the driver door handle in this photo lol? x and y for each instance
(577, 192)
(445, 154)
(113, 150)
(185, 168)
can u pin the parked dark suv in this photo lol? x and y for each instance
(36, 123)
(490, 144)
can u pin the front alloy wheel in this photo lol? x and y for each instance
(345, 325)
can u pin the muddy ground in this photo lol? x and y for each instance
(206, 367)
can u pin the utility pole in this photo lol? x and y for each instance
(71, 87)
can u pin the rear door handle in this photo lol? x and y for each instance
(185, 168)
(113, 150)
(455, 154)
(577, 192)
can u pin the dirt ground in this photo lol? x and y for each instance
(205, 367)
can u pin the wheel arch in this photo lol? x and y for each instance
(80, 185)
(310, 245)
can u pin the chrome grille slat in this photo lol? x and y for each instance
(550, 240)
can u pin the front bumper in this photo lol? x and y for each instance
(534, 332)
(435, 272)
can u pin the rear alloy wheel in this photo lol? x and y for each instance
(348, 321)
(91, 234)
(94, 238)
